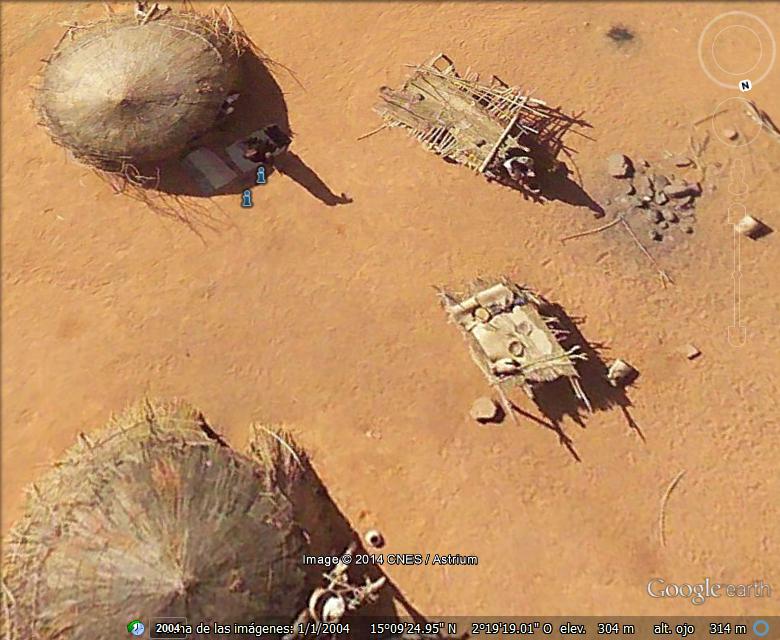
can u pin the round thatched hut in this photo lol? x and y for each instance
(156, 517)
(125, 93)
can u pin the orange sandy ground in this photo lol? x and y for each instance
(258, 318)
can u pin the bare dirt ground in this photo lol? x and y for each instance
(324, 318)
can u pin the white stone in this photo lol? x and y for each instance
(621, 373)
(485, 410)
(749, 227)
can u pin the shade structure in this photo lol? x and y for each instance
(127, 92)
(154, 517)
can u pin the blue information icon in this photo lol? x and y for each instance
(761, 628)
(246, 199)
(261, 175)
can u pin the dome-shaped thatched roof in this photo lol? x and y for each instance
(156, 517)
(122, 91)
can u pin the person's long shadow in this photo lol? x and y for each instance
(554, 176)
(292, 166)
(556, 400)
(261, 103)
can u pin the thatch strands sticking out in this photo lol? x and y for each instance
(126, 93)
(153, 517)
(461, 118)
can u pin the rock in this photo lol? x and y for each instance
(660, 182)
(628, 189)
(655, 234)
(679, 190)
(485, 410)
(374, 539)
(750, 227)
(642, 163)
(682, 161)
(621, 373)
(730, 134)
(691, 351)
(644, 186)
(687, 203)
(669, 216)
(660, 198)
(687, 229)
(619, 166)
(663, 224)
(653, 215)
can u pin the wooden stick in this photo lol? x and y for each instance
(281, 441)
(709, 117)
(665, 278)
(500, 141)
(508, 408)
(372, 132)
(664, 500)
(603, 227)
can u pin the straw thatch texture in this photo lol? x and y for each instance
(469, 122)
(154, 517)
(122, 92)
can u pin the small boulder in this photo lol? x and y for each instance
(682, 161)
(621, 373)
(653, 215)
(663, 224)
(655, 234)
(485, 410)
(670, 216)
(730, 134)
(660, 182)
(619, 166)
(644, 186)
(688, 203)
(687, 229)
(678, 190)
(750, 227)
(691, 351)
(660, 198)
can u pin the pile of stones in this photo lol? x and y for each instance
(665, 202)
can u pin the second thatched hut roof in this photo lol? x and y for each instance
(155, 517)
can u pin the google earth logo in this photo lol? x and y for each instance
(136, 627)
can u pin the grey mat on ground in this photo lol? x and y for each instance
(211, 168)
